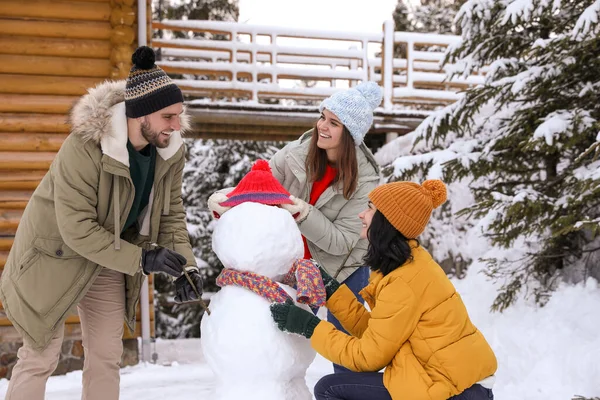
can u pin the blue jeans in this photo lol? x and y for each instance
(355, 282)
(369, 386)
(352, 386)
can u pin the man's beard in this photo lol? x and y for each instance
(152, 136)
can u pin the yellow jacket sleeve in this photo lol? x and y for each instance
(393, 320)
(353, 316)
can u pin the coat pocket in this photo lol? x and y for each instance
(49, 278)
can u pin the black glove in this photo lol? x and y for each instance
(184, 291)
(331, 285)
(162, 259)
(293, 319)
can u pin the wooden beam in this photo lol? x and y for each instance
(55, 66)
(36, 103)
(3, 258)
(6, 243)
(240, 132)
(40, 84)
(9, 221)
(253, 117)
(78, 11)
(56, 29)
(51, 123)
(21, 184)
(14, 199)
(23, 45)
(21, 180)
(16, 204)
(18, 141)
(263, 122)
(13, 160)
(204, 134)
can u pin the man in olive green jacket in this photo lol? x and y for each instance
(108, 212)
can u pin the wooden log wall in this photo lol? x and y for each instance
(51, 52)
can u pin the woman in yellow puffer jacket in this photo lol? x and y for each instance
(418, 328)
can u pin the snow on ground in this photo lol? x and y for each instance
(550, 353)
(189, 378)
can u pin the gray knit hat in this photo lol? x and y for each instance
(354, 107)
(148, 87)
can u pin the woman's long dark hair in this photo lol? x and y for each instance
(388, 248)
(346, 163)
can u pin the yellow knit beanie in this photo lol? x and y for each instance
(408, 205)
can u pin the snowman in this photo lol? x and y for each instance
(257, 242)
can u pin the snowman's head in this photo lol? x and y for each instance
(258, 238)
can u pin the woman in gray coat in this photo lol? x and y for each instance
(329, 172)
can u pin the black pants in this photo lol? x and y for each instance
(369, 386)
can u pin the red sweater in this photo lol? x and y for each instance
(317, 190)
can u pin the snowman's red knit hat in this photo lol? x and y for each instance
(258, 186)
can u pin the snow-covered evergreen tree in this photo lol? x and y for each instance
(429, 16)
(211, 165)
(212, 10)
(527, 141)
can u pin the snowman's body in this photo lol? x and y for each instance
(250, 356)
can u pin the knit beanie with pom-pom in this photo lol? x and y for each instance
(354, 107)
(148, 88)
(408, 205)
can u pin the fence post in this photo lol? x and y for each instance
(274, 77)
(410, 58)
(353, 67)
(254, 63)
(387, 64)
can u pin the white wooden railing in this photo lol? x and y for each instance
(267, 62)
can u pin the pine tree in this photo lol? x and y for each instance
(212, 10)
(430, 16)
(527, 140)
(211, 165)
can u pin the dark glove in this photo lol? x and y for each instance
(161, 259)
(184, 291)
(331, 285)
(293, 319)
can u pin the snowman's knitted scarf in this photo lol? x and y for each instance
(304, 276)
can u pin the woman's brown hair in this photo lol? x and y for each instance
(346, 163)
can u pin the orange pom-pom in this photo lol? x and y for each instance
(437, 189)
(261, 165)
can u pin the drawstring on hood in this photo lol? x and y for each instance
(167, 192)
(116, 211)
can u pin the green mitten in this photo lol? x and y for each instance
(331, 285)
(293, 319)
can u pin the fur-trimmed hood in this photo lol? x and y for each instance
(99, 116)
